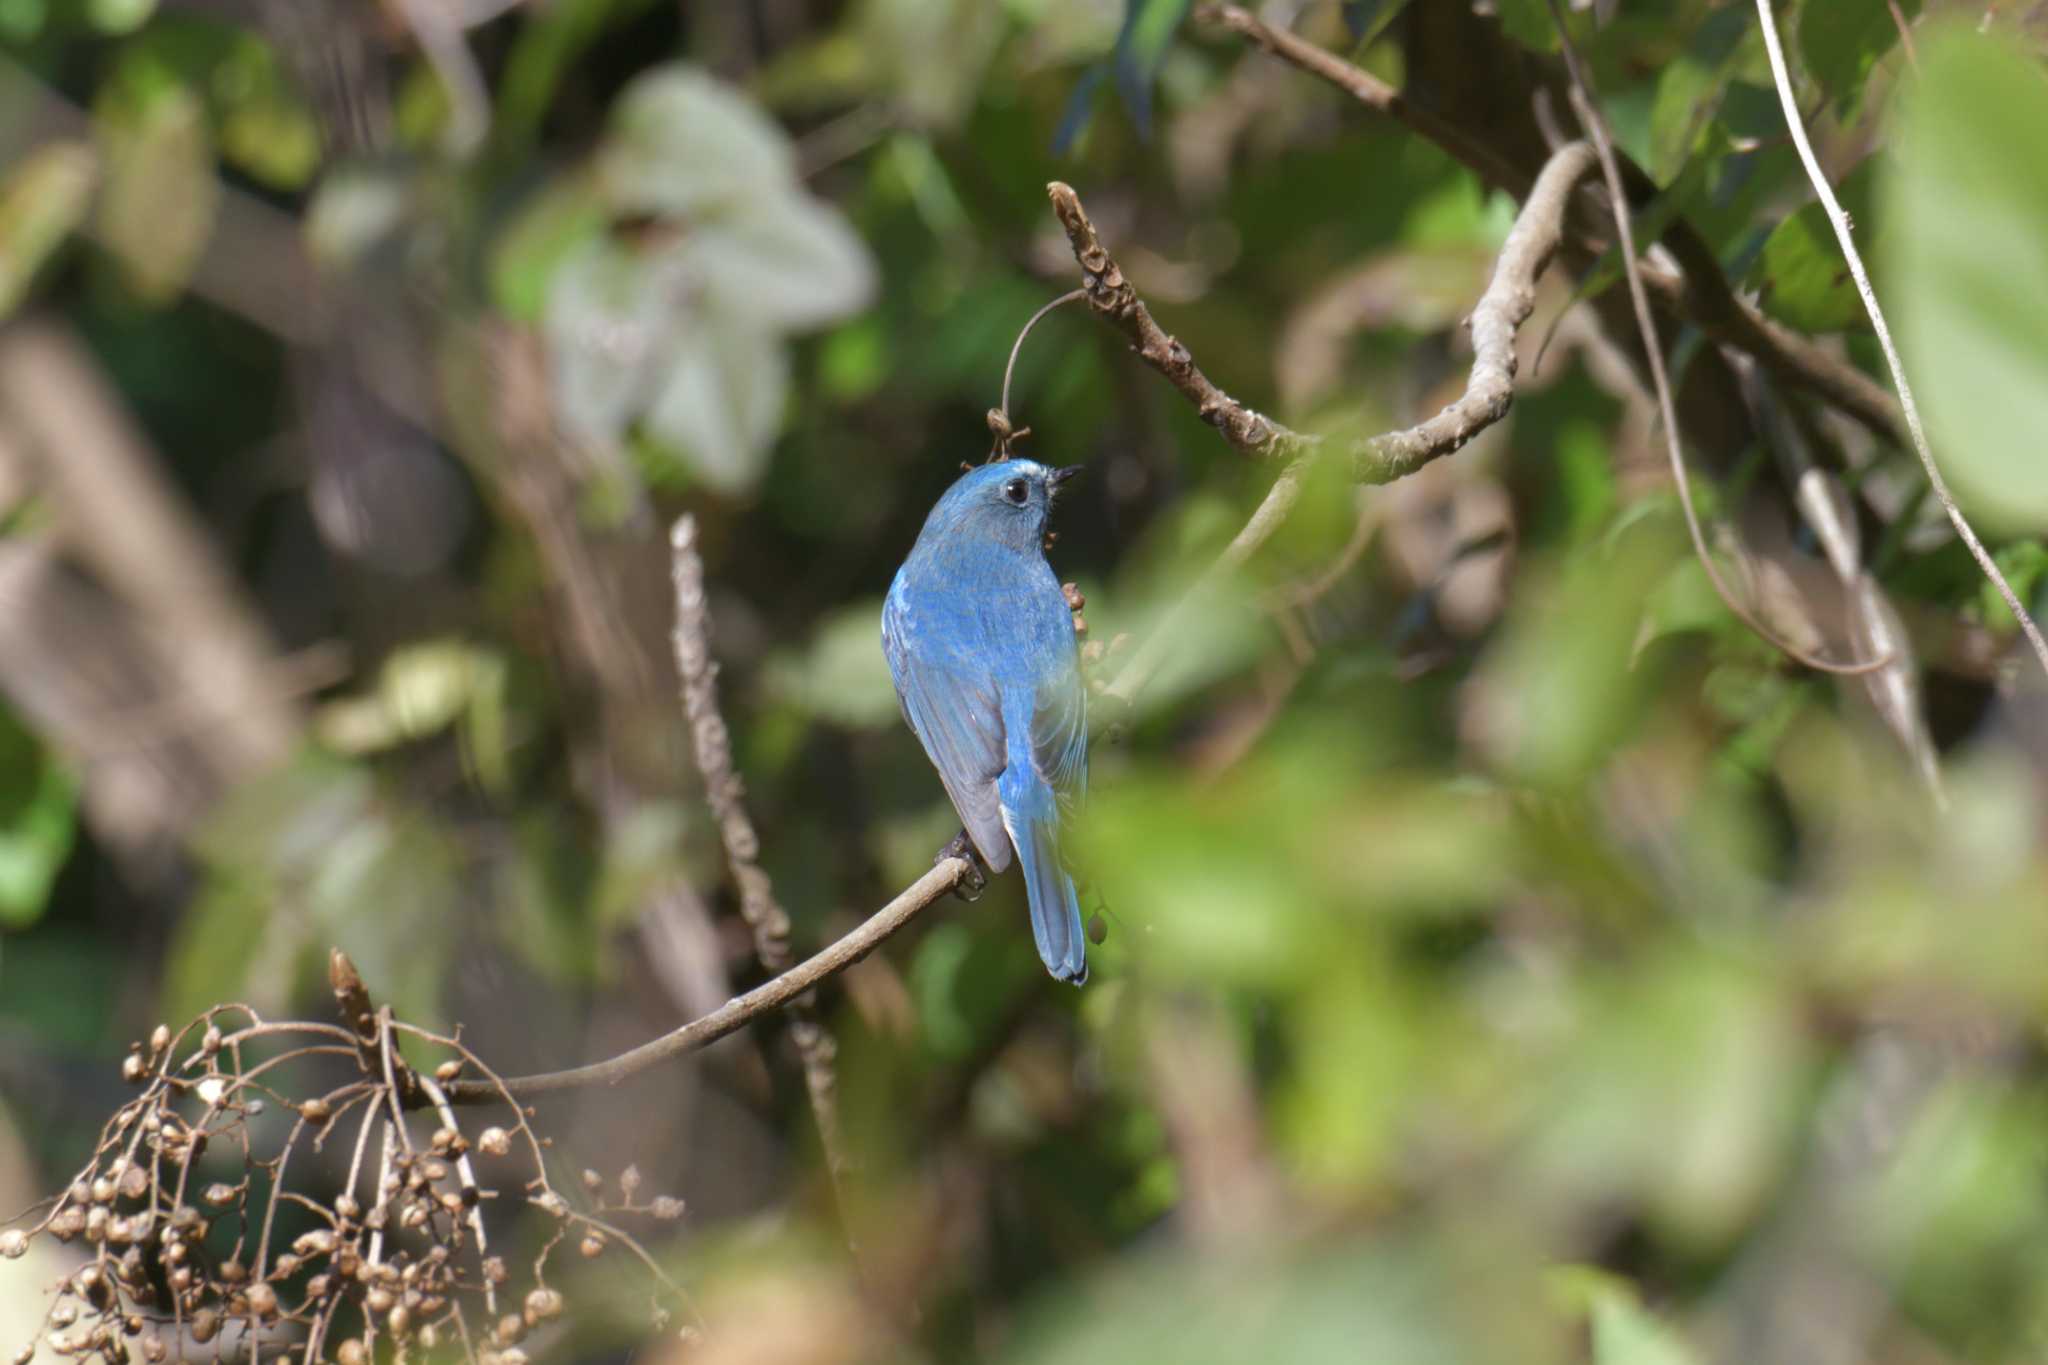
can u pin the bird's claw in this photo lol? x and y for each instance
(969, 887)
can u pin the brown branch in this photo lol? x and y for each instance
(1509, 298)
(725, 793)
(1116, 302)
(740, 1011)
(1700, 294)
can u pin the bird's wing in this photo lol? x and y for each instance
(960, 723)
(1059, 734)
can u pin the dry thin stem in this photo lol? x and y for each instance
(1653, 353)
(738, 1012)
(1840, 222)
(725, 793)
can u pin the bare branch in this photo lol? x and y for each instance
(1114, 300)
(1840, 222)
(1509, 299)
(740, 1011)
(725, 793)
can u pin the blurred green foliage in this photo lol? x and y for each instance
(1507, 955)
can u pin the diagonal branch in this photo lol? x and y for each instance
(1114, 300)
(1509, 299)
(740, 1011)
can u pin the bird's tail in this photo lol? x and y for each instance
(1033, 826)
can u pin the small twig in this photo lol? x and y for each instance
(1025, 331)
(1653, 355)
(738, 1012)
(1509, 299)
(725, 793)
(1840, 222)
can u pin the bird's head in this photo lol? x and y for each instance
(1007, 502)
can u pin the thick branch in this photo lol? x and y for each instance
(736, 1013)
(1509, 299)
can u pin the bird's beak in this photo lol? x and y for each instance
(1061, 475)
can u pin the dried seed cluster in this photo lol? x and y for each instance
(398, 1266)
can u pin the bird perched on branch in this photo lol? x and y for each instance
(981, 644)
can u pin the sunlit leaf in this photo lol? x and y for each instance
(157, 208)
(781, 261)
(41, 201)
(119, 16)
(552, 226)
(719, 396)
(1841, 40)
(682, 141)
(608, 312)
(841, 675)
(1968, 272)
(1803, 278)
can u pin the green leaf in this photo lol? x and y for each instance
(156, 211)
(119, 16)
(785, 261)
(607, 312)
(1968, 268)
(38, 820)
(1841, 40)
(718, 402)
(552, 226)
(1804, 280)
(44, 198)
(840, 676)
(1625, 1333)
(682, 141)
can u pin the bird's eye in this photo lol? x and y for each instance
(1016, 491)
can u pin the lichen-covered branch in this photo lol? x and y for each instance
(725, 793)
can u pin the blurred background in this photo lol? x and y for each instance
(1507, 955)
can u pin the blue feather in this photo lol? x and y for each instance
(981, 646)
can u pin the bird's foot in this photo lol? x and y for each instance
(974, 883)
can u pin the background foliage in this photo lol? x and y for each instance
(1508, 955)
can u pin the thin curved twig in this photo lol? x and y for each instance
(1653, 353)
(1840, 222)
(738, 1012)
(1011, 368)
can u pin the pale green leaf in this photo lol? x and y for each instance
(784, 261)
(682, 141)
(719, 397)
(44, 198)
(1968, 269)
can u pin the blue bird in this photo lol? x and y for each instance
(981, 644)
